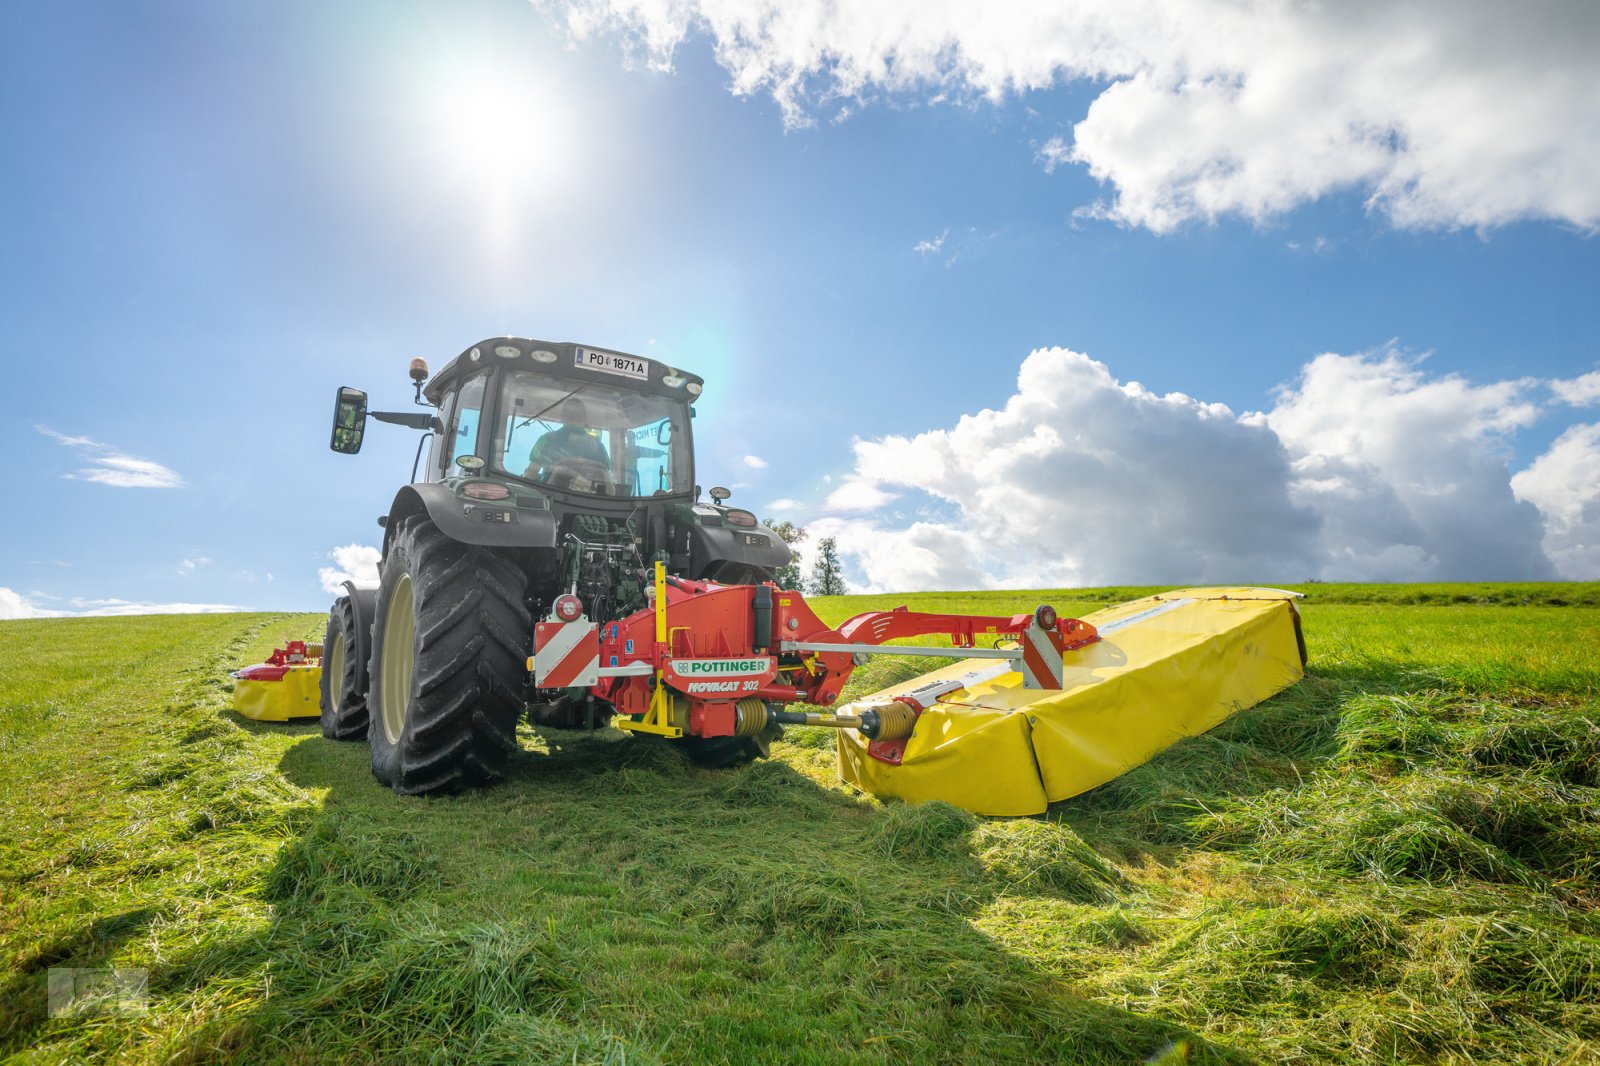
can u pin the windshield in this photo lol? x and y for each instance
(591, 437)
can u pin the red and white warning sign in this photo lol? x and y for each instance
(566, 654)
(1041, 657)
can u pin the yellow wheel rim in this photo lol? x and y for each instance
(334, 668)
(399, 652)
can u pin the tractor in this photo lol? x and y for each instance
(546, 472)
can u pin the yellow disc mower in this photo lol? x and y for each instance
(288, 685)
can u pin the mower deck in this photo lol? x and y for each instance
(1166, 667)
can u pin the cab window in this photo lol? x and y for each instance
(439, 448)
(650, 452)
(591, 437)
(461, 432)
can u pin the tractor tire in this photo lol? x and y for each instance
(449, 653)
(726, 753)
(344, 707)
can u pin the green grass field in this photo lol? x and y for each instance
(1396, 860)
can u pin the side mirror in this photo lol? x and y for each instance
(664, 431)
(349, 421)
(719, 493)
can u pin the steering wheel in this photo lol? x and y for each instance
(566, 473)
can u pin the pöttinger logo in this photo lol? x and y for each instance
(721, 667)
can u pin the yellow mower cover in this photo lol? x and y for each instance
(1167, 667)
(288, 685)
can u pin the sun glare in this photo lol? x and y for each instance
(508, 119)
(506, 137)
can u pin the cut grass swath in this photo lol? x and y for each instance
(1393, 861)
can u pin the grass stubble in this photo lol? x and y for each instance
(1396, 860)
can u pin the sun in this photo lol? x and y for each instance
(505, 120)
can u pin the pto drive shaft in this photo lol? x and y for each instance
(891, 720)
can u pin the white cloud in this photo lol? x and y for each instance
(923, 555)
(127, 472)
(1581, 391)
(71, 442)
(1317, 247)
(931, 247)
(107, 466)
(1366, 468)
(1440, 112)
(1056, 152)
(352, 562)
(784, 504)
(189, 566)
(857, 494)
(755, 462)
(1564, 483)
(106, 607)
(1080, 479)
(16, 605)
(1409, 473)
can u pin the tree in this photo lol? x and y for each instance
(826, 577)
(788, 575)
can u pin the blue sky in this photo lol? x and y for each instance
(217, 213)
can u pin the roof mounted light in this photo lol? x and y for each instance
(693, 388)
(507, 351)
(543, 355)
(474, 355)
(470, 463)
(672, 380)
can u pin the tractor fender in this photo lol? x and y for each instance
(491, 524)
(709, 545)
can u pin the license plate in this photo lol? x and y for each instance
(611, 363)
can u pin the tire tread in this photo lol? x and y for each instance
(473, 632)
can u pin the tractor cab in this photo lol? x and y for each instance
(596, 430)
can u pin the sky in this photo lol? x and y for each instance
(1003, 295)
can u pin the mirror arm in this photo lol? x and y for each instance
(404, 418)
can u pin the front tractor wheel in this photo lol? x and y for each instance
(449, 649)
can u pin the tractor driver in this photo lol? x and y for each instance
(571, 451)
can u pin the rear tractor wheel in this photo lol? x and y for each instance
(449, 653)
(344, 705)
